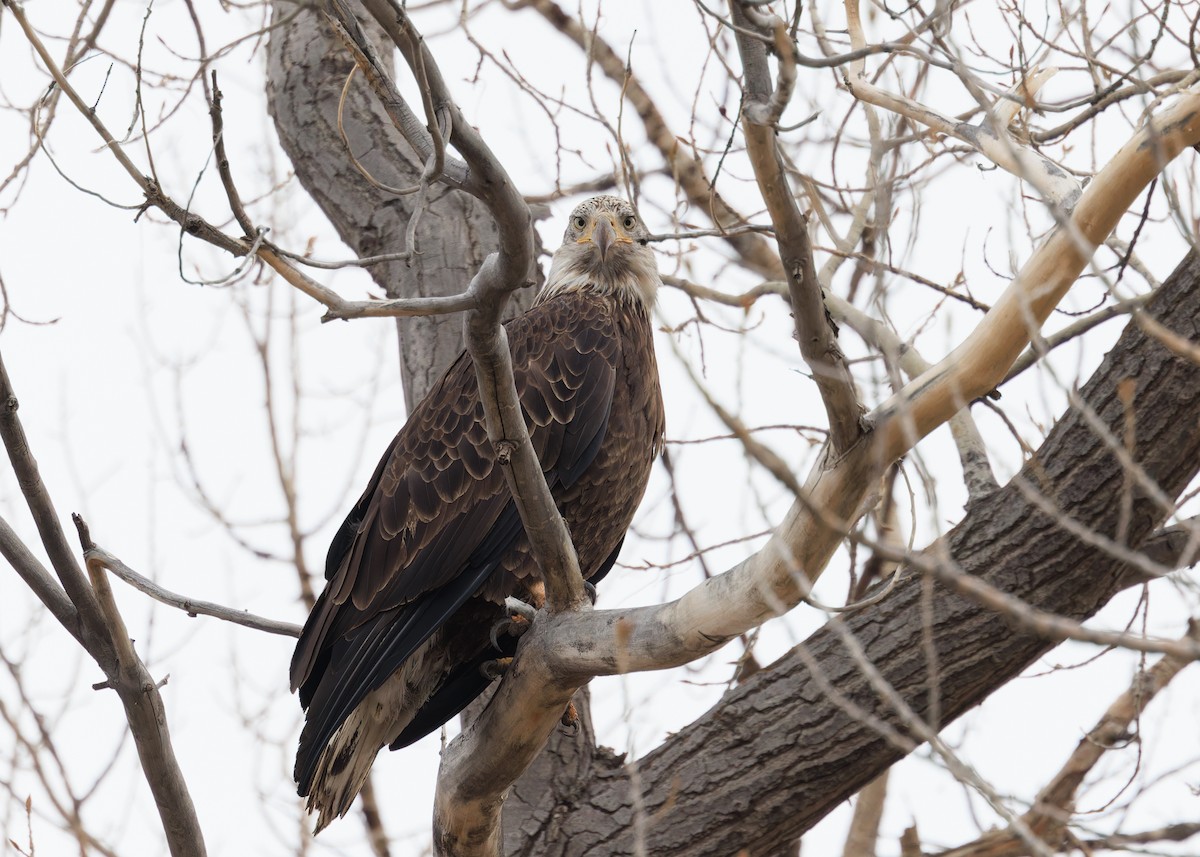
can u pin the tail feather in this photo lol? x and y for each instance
(341, 772)
(345, 761)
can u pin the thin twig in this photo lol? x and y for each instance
(818, 341)
(98, 556)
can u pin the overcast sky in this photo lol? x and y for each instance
(119, 363)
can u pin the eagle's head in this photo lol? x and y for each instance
(605, 249)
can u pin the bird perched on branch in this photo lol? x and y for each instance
(418, 572)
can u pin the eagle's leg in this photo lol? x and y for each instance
(517, 607)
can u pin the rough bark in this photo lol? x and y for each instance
(778, 753)
(307, 67)
(547, 793)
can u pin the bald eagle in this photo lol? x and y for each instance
(418, 572)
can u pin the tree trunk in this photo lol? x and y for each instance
(307, 67)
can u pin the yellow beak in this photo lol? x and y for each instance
(605, 236)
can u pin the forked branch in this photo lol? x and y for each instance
(95, 622)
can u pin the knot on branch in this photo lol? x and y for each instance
(151, 191)
(504, 451)
(11, 404)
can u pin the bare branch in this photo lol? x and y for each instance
(90, 624)
(1171, 833)
(1054, 183)
(454, 172)
(1054, 806)
(972, 452)
(38, 579)
(864, 825)
(1056, 801)
(1074, 331)
(197, 226)
(818, 342)
(231, 191)
(99, 557)
(681, 165)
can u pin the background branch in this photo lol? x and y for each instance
(814, 329)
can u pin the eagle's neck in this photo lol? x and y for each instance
(633, 276)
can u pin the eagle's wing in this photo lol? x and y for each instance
(437, 518)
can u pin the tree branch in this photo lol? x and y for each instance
(989, 138)
(99, 628)
(453, 172)
(147, 718)
(818, 341)
(683, 166)
(37, 578)
(99, 557)
(90, 626)
(864, 825)
(1055, 804)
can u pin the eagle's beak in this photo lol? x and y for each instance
(604, 236)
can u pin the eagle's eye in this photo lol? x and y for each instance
(629, 221)
(580, 221)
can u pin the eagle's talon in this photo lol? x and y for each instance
(592, 594)
(492, 670)
(494, 634)
(514, 626)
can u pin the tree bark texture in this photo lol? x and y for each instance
(778, 752)
(307, 67)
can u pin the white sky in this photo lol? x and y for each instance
(137, 361)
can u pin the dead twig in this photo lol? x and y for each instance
(96, 556)
(814, 329)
